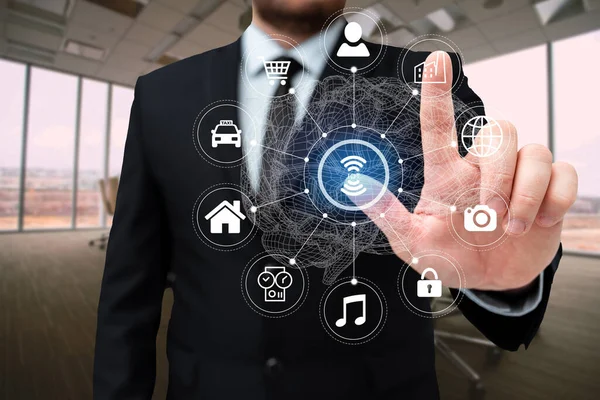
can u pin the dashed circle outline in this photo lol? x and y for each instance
(374, 332)
(277, 37)
(198, 229)
(196, 132)
(382, 47)
(264, 313)
(419, 39)
(485, 247)
(431, 314)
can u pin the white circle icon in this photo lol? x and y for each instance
(488, 134)
(353, 32)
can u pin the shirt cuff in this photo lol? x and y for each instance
(509, 306)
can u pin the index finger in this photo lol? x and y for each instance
(437, 109)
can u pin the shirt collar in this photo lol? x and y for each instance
(254, 44)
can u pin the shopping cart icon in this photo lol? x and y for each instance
(276, 70)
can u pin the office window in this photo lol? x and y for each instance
(12, 98)
(92, 145)
(516, 86)
(122, 98)
(50, 150)
(577, 135)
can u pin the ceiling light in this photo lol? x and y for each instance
(84, 50)
(442, 20)
(553, 10)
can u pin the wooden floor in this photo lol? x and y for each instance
(49, 285)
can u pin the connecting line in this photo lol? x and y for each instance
(312, 233)
(282, 152)
(307, 113)
(392, 124)
(354, 252)
(354, 98)
(421, 197)
(400, 239)
(282, 199)
(426, 152)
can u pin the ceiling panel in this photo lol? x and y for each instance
(132, 49)
(573, 26)
(153, 67)
(185, 6)
(467, 38)
(520, 41)
(77, 65)
(226, 17)
(160, 16)
(476, 12)
(86, 35)
(411, 11)
(520, 21)
(100, 19)
(185, 48)
(209, 36)
(36, 38)
(479, 53)
(118, 75)
(126, 62)
(145, 35)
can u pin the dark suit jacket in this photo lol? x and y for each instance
(218, 348)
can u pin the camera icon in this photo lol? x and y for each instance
(480, 218)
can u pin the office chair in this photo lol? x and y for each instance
(494, 353)
(108, 193)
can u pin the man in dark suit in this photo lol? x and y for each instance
(218, 348)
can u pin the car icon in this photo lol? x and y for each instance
(226, 132)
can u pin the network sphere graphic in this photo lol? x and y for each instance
(489, 136)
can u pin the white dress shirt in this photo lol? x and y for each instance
(255, 92)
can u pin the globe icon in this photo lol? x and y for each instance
(489, 133)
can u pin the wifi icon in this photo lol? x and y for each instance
(352, 186)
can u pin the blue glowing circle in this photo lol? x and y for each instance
(346, 158)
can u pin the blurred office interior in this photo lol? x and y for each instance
(67, 71)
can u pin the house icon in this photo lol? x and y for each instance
(430, 70)
(225, 214)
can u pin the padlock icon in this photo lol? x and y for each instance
(429, 287)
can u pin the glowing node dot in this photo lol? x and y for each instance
(452, 208)
(453, 144)
(292, 90)
(400, 190)
(325, 215)
(353, 69)
(253, 209)
(354, 281)
(383, 135)
(324, 134)
(415, 260)
(400, 161)
(292, 261)
(253, 142)
(382, 215)
(353, 223)
(306, 191)
(415, 92)
(306, 159)
(353, 125)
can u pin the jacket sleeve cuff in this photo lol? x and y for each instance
(509, 306)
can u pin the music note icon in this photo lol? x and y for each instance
(362, 298)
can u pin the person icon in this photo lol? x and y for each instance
(353, 33)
